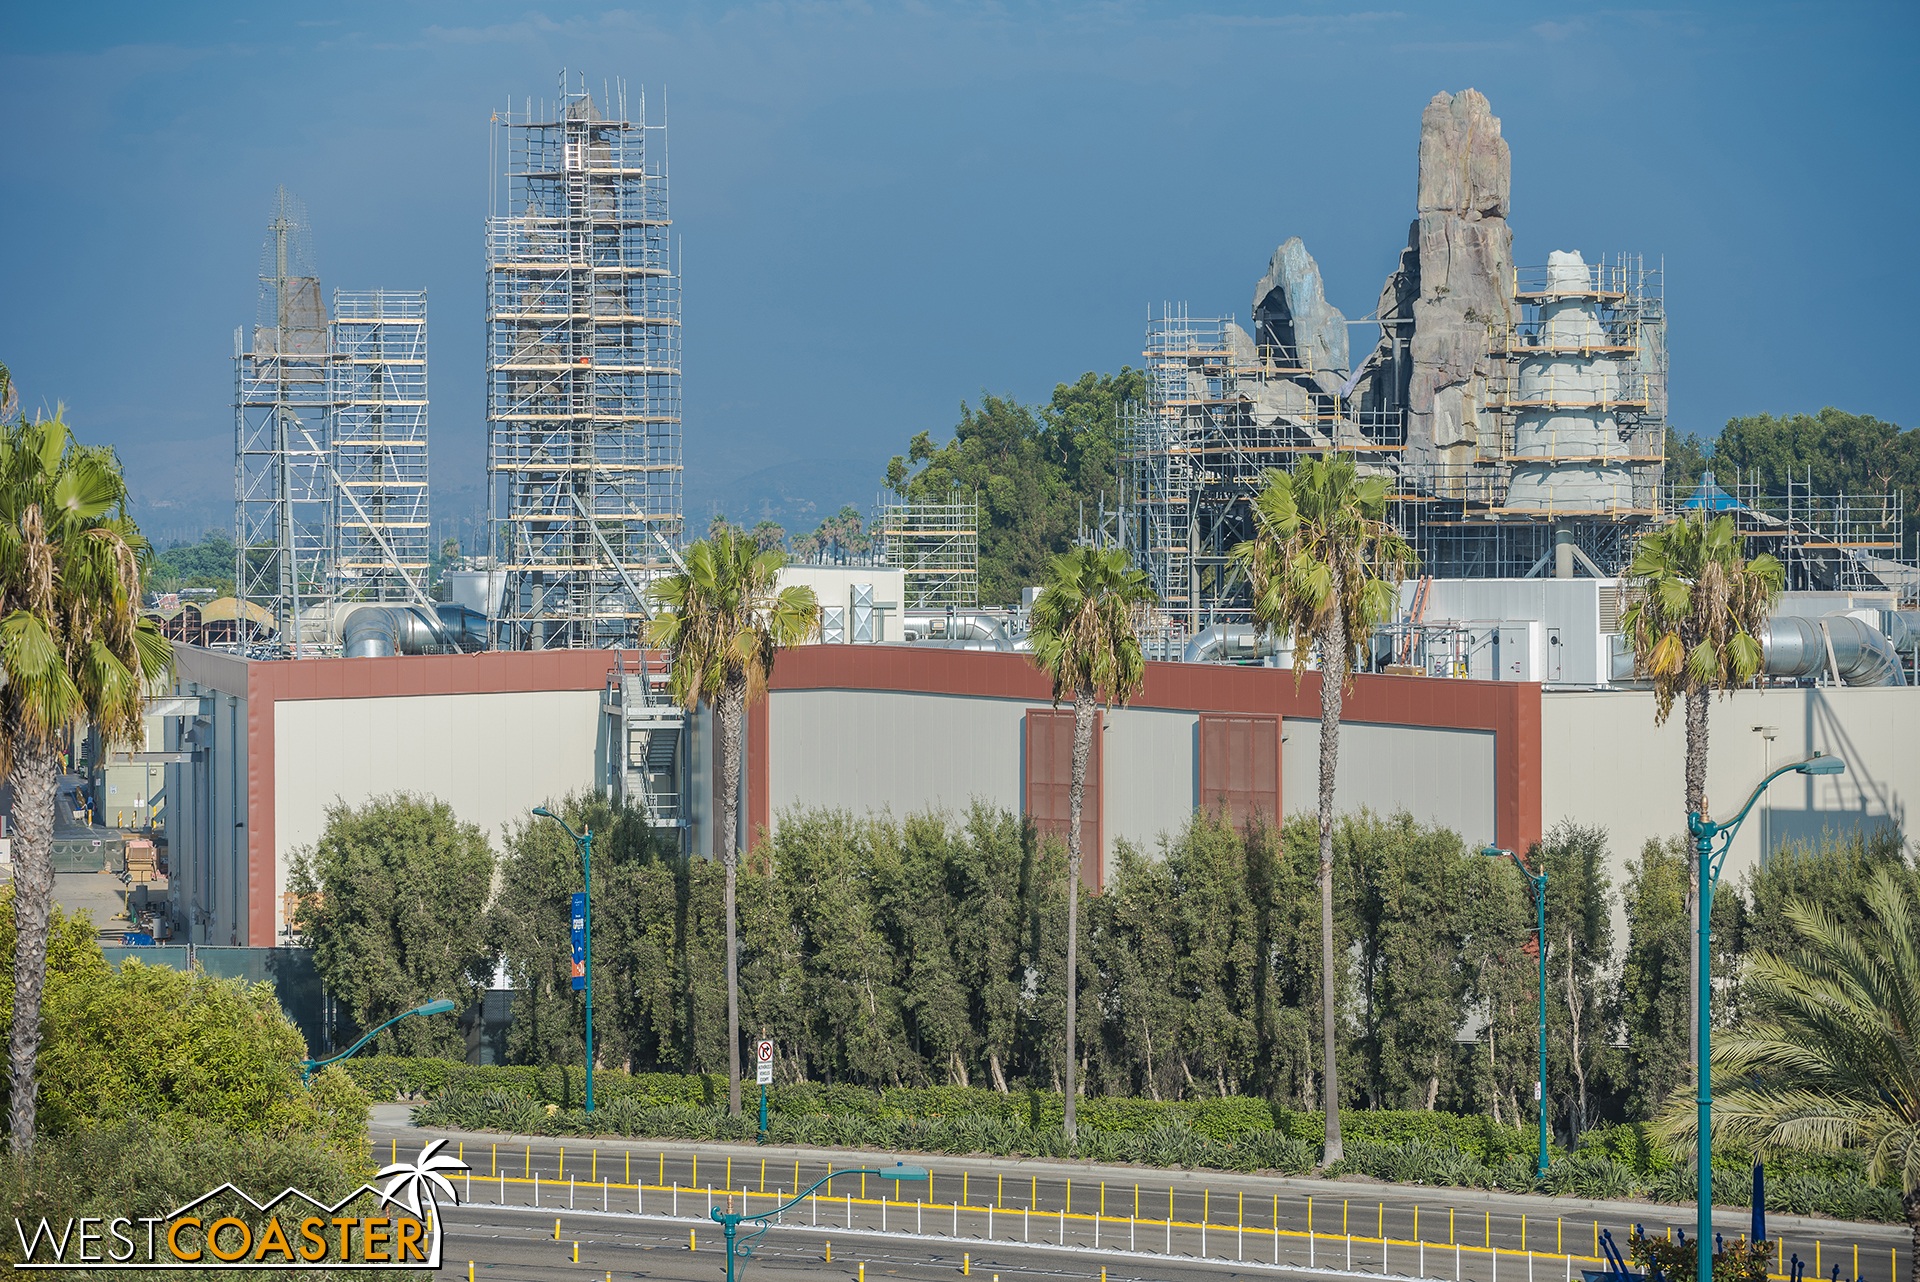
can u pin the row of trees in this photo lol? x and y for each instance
(932, 950)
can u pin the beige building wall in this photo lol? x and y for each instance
(901, 753)
(1604, 763)
(491, 757)
(1439, 776)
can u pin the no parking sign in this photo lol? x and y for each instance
(763, 1058)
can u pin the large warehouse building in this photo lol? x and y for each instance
(902, 728)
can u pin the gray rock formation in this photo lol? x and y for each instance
(1454, 282)
(1465, 277)
(1290, 309)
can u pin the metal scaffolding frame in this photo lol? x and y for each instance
(284, 496)
(1462, 521)
(379, 441)
(938, 545)
(583, 370)
(1221, 410)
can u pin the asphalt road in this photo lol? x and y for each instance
(1240, 1212)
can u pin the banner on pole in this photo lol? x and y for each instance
(579, 942)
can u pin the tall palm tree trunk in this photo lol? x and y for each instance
(36, 772)
(1696, 803)
(1333, 673)
(731, 711)
(1910, 1203)
(1076, 795)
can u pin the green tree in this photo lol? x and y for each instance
(1825, 1058)
(73, 648)
(640, 899)
(393, 903)
(1407, 883)
(1831, 452)
(207, 564)
(769, 536)
(1579, 947)
(1698, 601)
(1687, 460)
(1083, 639)
(1501, 985)
(726, 620)
(1833, 872)
(1035, 472)
(1323, 565)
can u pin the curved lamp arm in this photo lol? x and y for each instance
(438, 1007)
(545, 813)
(765, 1218)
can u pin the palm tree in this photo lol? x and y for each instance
(725, 621)
(1083, 638)
(1825, 1057)
(1324, 566)
(1698, 602)
(73, 649)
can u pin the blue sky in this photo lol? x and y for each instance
(886, 208)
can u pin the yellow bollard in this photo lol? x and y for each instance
(396, 1150)
(529, 1161)
(693, 1240)
(863, 1273)
(1449, 1226)
(495, 1168)
(763, 1175)
(469, 1271)
(1523, 1230)
(1560, 1236)
(1103, 1273)
(593, 1168)
(556, 1230)
(1381, 1232)
(966, 1265)
(695, 1181)
(576, 1253)
(629, 1177)
(829, 1251)
(561, 1172)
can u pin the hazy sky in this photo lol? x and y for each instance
(886, 208)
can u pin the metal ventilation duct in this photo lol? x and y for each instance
(378, 631)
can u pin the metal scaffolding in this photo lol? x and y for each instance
(1569, 426)
(583, 371)
(938, 545)
(284, 497)
(1220, 411)
(379, 442)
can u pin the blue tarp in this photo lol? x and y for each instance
(1711, 497)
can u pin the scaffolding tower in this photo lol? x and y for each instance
(284, 519)
(583, 371)
(379, 439)
(938, 545)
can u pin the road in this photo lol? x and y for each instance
(1441, 1232)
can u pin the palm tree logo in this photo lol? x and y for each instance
(425, 1176)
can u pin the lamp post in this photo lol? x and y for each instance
(743, 1247)
(1537, 882)
(439, 1007)
(585, 841)
(1709, 861)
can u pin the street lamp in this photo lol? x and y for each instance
(1709, 861)
(585, 841)
(440, 1007)
(1537, 882)
(743, 1247)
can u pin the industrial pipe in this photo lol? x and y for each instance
(1225, 642)
(960, 632)
(378, 631)
(1863, 655)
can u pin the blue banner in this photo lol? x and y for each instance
(579, 942)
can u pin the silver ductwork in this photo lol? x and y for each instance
(1795, 646)
(378, 631)
(1226, 642)
(1863, 655)
(959, 632)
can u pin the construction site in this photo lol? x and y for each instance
(1519, 413)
